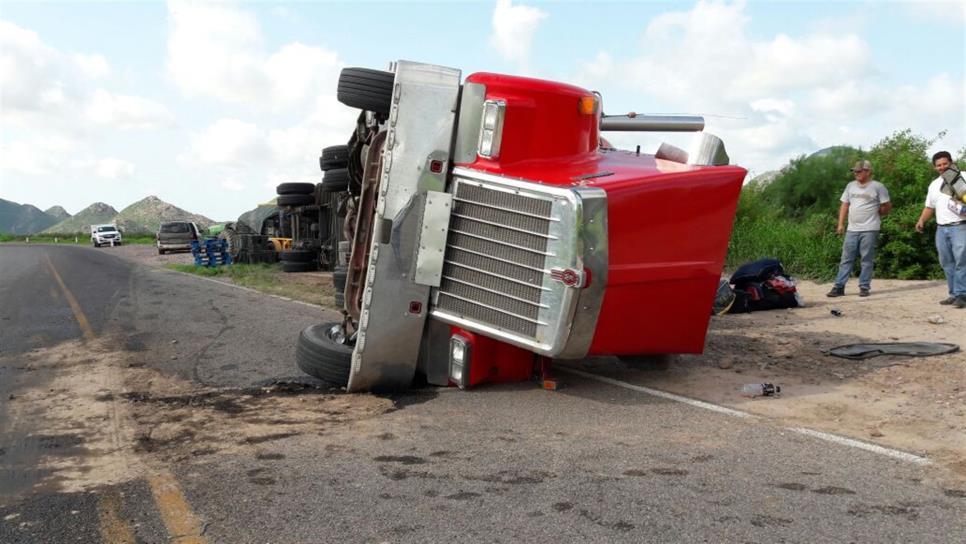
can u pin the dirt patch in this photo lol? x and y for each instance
(102, 421)
(913, 404)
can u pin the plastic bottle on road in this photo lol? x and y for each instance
(760, 390)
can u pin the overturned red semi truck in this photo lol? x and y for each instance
(490, 229)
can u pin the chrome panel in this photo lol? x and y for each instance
(432, 238)
(504, 288)
(421, 129)
(592, 227)
(470, 122)
(707, 150)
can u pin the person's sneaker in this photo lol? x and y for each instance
(960, 302)
(948, 300)
(864, 292)
(836, 292)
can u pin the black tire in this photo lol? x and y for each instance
(231, 236)
(335, 181)
(318, 355)
(366, 89)
(298, 267)
(338, 283)
(297, 256)
(336, 156)
(295, 188)
(296, 200)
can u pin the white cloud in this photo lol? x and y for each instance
(218, 51)
(232, 185)
(112, 168)
(92, 66)
(229, 142)
(126, 112)
(44, 88)
(774, 97)
(36, 156)
(513, 29)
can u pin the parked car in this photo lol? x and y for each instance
(103, 235)
(176, 236)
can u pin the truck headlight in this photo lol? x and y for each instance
(459, 360)
(491, 133)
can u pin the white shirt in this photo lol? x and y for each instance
(940, 201)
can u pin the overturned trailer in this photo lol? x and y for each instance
(492, 230)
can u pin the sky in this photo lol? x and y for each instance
(210, 105)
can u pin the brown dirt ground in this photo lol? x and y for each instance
(912, 404)
(915, 404)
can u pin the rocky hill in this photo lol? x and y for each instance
(147, 214)
(57, 212)
(95, 214)
(23, 218)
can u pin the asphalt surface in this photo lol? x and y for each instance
(588, 463)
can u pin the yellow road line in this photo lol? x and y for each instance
(183, 525)
(113, 528)
(85, 325)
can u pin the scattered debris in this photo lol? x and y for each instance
(760, 390)
(936, 319)
(836, 312)
(874, 349)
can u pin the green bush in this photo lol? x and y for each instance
(793, 217)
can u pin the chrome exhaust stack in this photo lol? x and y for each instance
(651, 123)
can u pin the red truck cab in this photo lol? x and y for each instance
(491, 232)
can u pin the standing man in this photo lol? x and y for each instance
(864, 201)
(950, 234)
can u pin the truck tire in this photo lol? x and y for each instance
(295, 188)
(335, 181)
(297, 256)
(366, 89)
(290, 267)
(318, 355)
(295, 200)
(336, 156)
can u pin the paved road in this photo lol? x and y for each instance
(204, 459)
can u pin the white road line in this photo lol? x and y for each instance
(243, 288)
(663, 394)
(852, 443)
(828, 437)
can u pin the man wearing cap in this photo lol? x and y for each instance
(950, 234)
(864, 201)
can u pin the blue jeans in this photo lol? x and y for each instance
(951, 245)
(857, 244)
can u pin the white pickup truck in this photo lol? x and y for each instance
(105, 235)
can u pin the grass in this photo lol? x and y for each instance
(807, 249)
(265, 278)
(72, 239)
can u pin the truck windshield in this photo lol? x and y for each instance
(174, 227)
(106, 229)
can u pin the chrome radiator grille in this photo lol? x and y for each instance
(495, 258)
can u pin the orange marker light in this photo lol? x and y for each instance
(587, 105)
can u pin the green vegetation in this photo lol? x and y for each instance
(266, 278)
(793, 216)
(82, 238)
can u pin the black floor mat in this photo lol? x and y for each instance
(910, 349)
